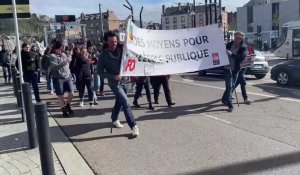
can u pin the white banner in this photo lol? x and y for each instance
(163, 52)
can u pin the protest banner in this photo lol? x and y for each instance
(162, 52)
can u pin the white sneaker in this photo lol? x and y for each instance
(117, 124)
(81, 104)
(248, 101)
(135, 132)
(91, 105)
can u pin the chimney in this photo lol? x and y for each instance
(179, 6)
(163, 9)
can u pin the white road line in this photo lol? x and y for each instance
(268, 80)
(282, 88)
(216, 118)
(253, 93)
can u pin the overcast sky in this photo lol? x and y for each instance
(151, 11)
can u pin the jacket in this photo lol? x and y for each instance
(45, 61)
(82, 68)
(59, 66)
(30, 61)
(108, 65)
(239, 56)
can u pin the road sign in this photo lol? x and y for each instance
(6, 9)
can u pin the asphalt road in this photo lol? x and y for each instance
(197, 135)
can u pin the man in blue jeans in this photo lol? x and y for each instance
(108, 66)
(236, 52)
(242, 82)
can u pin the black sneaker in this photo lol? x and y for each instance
(95, 102)
(171, 104)
(136, 105)
(65, 112)
(230, 108)
(151, 107)
(156, 102)
(68, 107)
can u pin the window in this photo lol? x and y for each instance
(91, 25)
(175, 19)
(92, 32)
(175, 27)
(182, 18)
(167, 20)
(167, 27)
(183, 26)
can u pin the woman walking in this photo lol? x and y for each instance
(83, 73)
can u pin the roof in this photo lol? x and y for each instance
(185, 9)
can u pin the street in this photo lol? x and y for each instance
(197, 135)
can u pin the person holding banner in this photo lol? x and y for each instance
(237, 52)
(108, 66)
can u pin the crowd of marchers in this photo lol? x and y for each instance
(86, 67)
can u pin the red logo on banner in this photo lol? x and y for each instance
(216, 58)
(130, 66)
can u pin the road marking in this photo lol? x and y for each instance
(265, 80)
(253, 93)
(282, 88)
(216, 118)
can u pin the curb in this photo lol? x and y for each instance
(70, 159)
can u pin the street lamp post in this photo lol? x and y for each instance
(193, 14)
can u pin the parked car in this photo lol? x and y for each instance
(259, 67)
(286, 73)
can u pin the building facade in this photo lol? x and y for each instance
(232, 21)
(182, 16)
(93, 23)
(262, 21)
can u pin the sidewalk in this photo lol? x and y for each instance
(17, 158)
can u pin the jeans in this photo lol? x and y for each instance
(32, 77)
(6, 73)
(101, 84)
(230, 79)
(39, 76)
(122, 101)
(85, 82)
(49, 83)
(242, 81)
(140, 83)
(96, 80)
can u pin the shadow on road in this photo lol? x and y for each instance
(181, 111)
(279, 92)
(252, 166)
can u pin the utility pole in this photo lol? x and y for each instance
(141, 22)
(129, 8)
(101, 22)
(210, 11)
(194, 16)
(206, 13)
(216, 11)
(220, 12)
